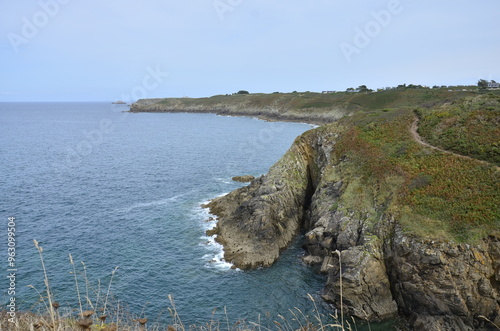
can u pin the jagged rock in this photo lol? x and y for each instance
(449, 288)
(434, 285)
(312, 260)
(243, 179)
(365, 286)
(258, 221)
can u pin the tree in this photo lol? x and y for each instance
(482, 84)
(243, 92)
(363, 88)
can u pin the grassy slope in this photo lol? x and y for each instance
(433, 194)
(470, 126)
(303, 104)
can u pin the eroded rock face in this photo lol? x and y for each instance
(434, 285)
(258, 221)
(452, 283)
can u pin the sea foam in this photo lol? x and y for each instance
(215, 256)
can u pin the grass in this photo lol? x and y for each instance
(469, 126)
(439, 195)
(99, 314)
(306, 106)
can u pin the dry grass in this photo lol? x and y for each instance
(96, 311)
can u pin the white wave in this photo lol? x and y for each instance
(214, 259)
(151, 203)
(224, 180)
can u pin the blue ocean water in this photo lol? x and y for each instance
(120, 189)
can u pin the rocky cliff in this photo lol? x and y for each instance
(407, 228)
(353, 234)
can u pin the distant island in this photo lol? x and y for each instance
(397, 194)
(119, 103)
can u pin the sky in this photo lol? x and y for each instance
(106, 50)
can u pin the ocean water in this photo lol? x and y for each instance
(116, 189)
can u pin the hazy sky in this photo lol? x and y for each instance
(93, 50)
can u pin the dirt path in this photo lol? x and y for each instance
(418, 138)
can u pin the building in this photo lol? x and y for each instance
(493, 84)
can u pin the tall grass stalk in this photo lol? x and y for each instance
(76, 284)
(122, 319)
(86, 282)
(98, 295)
(488, 320)
(341, 295)
(177, 320)
(109, 290)
(47, 285)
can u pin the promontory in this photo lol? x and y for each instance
(396, 195)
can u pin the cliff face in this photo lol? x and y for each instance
(350, 235)
(258, 221)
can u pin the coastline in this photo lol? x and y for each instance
(215, 256)
(268, 117)
(279, 109)
(326, 186)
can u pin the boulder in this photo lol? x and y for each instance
(243, 179)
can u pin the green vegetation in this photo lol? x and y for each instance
(432, 193)
(469, 126)
(312, 107)
(440, 195)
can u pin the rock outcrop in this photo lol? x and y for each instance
(243, 179)
(384, 271)
(258, 221)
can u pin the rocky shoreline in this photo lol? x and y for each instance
(243, 107)
(385, 272)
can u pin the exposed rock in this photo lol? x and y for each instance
(431, 280)
(311, 259)
(365, 285)
(257, 221)
(434, 285)
(243, 179)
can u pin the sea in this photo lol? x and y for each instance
(114, 200)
